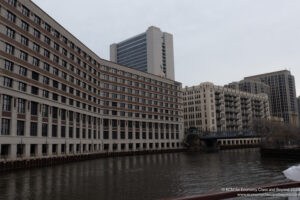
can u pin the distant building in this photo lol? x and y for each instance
(211, 108)
(151, 51)
(251, 86)
(282, 94)
(298, 104)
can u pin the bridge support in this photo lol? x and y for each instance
(210, 145)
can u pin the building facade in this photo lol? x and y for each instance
(298, 104)
(282, 96)
(211, 108)
(57, 97)
(150, 52)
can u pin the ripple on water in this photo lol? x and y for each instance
(144, 177)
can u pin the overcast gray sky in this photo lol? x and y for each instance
(214, 40)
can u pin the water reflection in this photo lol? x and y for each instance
(144, 177)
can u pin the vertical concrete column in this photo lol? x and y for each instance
(126, 136)
(39, 128)
(110, 134)
(67, 148)
(58, 148)
(133, 136)
(1, 102)
(50, 148)
(39, 150)
(13, 151)
(58, 123)
(27, 118)
(101, 134)
(50, 123)
(27, 150)
(13, 119)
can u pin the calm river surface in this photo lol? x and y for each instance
(144, 177)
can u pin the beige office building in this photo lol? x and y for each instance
(212, 108)
(57, 97)
(151, 51)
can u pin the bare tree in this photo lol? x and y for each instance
(277, 134)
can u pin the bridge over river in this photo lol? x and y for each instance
(213, 141)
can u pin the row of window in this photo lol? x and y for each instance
(8, 82)
(80, 148)
(56, 46)
(79, 133)
(8, 65)
(55, 113)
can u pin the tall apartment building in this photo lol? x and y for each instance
(58, 97)
(150, 52)
(251, 86)
(282, 94)
(298, 104)
(213, 108)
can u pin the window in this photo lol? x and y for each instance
(10, 32)
(22, 71)
(6, 105)
(21, 105)
(44, 130)
(56, 34)
(33, 129)
(46, 53)
(55, 71)
(72, 46)
(8, 65)
(5, 127)
(36, 48)
(56, 46)
(55, 96)
(37, 19)
(45, 93)
(24, 40)
(47, 40)
(24, 26)
(23, 56)
(35, 76)
(25, 11)
(63, 63)
(34, 90)
(20, 127)
(54, 130)
(64, 75)
(55, 58)
(47, 27)
(11, 17)
(46, 80)
(9, 49)
(55, 84)
(46, 67)
(65, 40)
(63, 131)
(65, 52)
(34, 108)
(7, 82)
(35, 61)
(22, 87)
(36, 33)
(12, 2)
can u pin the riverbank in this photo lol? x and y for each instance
(33, 162)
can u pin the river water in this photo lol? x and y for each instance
(144, 177)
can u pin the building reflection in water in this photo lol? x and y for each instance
(142, 177)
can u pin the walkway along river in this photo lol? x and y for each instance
(144, 177)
